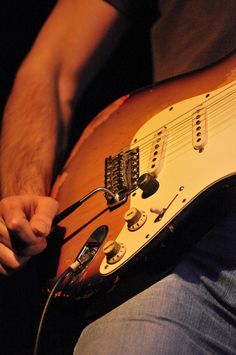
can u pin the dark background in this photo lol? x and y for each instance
(20, 296)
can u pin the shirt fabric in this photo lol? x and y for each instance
(187, 34)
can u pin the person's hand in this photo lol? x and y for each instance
(25, 222)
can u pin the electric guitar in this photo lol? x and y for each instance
(152, 163)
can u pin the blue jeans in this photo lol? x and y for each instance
(193, 310)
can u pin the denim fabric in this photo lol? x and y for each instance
(193, 310)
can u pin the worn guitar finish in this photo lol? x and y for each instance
(181, 132)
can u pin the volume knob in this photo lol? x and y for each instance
(135, 218)
(114, 251)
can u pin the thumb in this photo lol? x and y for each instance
(45, 211)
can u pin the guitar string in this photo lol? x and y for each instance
(184, 147)
(216, 105)
(188, 143)
(179, 128)
(185, 139)
(179, 125)
(219, 107)
(182, 129)
(183, 134)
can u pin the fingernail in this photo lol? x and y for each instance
(40, 229)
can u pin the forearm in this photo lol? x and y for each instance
(32, 127)
(64, 59)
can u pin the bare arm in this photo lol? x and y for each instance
(73, 44)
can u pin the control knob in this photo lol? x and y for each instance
(114, 251)
(135, 219)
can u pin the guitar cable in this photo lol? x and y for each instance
(71, 269)
(76, 264)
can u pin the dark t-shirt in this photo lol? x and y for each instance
(187, 34)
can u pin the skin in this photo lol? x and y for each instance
(73, 44)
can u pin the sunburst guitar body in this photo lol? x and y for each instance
(159, 151)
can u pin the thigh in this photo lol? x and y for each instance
(191, 310)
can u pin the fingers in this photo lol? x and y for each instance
(19, 233)
(4, 234)
(41, 221)
(25, 221)
(10, 261)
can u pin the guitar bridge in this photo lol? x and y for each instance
(121, 174)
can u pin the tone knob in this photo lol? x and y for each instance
(114, 251)
(148, 184)
(135, 218)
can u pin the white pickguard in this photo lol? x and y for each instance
(186, 172)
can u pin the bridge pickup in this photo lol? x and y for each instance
(199, 128)
(121, 174)
(158, 150)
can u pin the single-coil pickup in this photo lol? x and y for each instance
(157, 153)
(199, 128)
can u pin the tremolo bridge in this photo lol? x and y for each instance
(121, 174)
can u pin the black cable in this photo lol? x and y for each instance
(61, 278)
